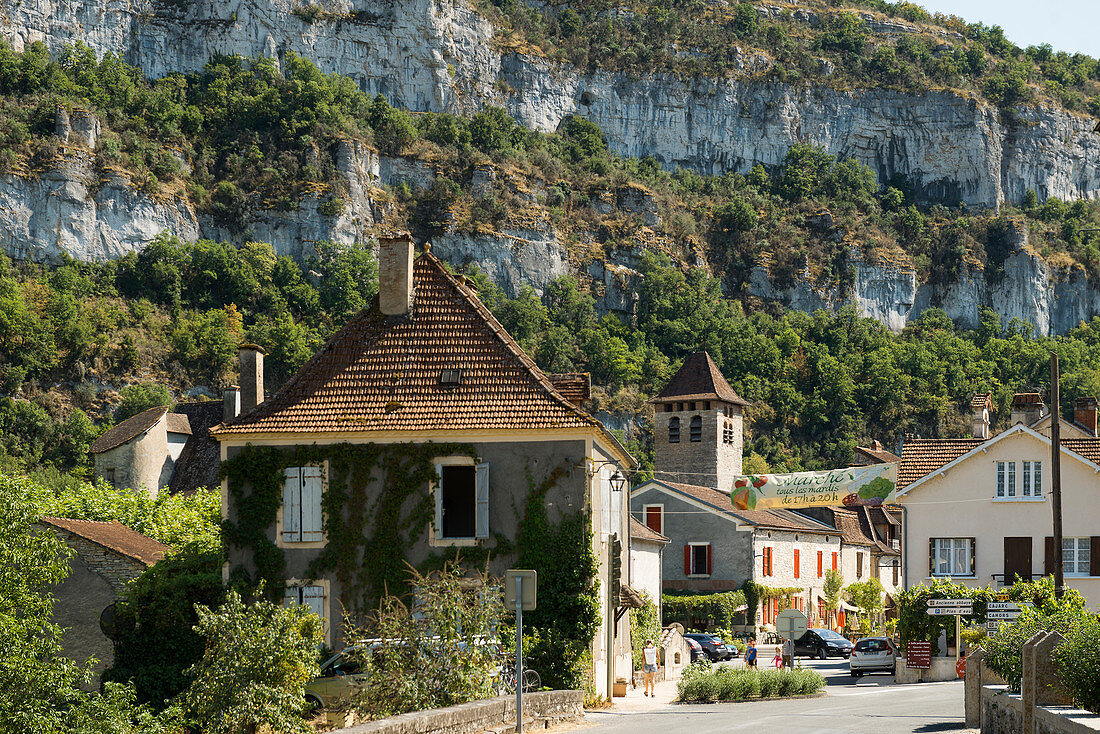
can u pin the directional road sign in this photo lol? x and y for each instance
(950, 602)
(950, 611)
(1005, 614)
(1003, 606)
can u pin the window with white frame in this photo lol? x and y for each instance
(310, 596)
(302, 514)
(698, 559)
(1006, 478)
(951, 556)
(1075, 556)
(1032, 476)
(461, 501)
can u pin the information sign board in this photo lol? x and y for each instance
(918, 655)
(528, 583)
(950, 603)
(951, 611)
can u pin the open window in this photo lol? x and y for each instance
(461, 501)
(697, 559)
(312, 594)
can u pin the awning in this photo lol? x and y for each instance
(630, 599)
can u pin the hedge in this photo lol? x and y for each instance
(703, 684)
(719, 608)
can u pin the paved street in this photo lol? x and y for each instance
(871, 705)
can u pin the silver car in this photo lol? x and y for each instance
(873, 655)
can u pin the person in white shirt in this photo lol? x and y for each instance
(649, 667)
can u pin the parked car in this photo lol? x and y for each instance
(822, 643)
(695, 647)
(713, 645)
(873, 655)
(340, 676)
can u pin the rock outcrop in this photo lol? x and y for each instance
(439, 55)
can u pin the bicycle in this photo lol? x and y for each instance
(506, 679)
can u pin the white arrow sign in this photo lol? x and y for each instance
(1003, 606)
(1002, 614)
(950, 602)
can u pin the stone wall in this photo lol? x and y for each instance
(541, 710)
(118, 570)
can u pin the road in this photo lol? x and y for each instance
(873, 704)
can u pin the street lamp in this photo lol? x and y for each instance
(618, 481)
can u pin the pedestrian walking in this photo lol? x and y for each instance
(778, 659)
(750, 654)
(788, 653)
(649, 667)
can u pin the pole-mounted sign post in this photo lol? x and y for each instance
(520, 590)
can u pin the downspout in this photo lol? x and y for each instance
(904, 546)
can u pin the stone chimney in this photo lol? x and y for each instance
(981, 408)
(252, 375)
(1084, 413)
(395, 274)
(1027, 407)
(231, 403)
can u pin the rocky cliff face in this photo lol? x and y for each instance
(438, 55)
(435, 55)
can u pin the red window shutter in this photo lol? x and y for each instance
(775, 608)
(820, 563)
(834, 561)
(764, 563)
(796, 563)
(708, 558)
(771, 557)
(687, 560)
(653, 518)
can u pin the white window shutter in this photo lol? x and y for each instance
(292, 507)
(314, 598)
(438, 501)
(605, 501)
(482, 522)
(312, 524)
(616, 510)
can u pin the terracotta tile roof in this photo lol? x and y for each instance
(1027, 398)
(197, 465)
(383, 373)
(699, 379)
(980, 401)
(921, 456)
(178, 423)
(127, 429)
(1086, 448)
(113, 536)
(640, 531)
(776, 519)
(878, 453)
(576, 387)
(847, 523)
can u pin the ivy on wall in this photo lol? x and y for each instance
(368, 529)
(719, 609)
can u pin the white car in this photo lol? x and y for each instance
(873, 655)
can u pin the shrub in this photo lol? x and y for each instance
(1077, 661)
(702, 683)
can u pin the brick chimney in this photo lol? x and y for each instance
(395, 274)
(231, 403)
(251, 359)
(1084, 413)
(1027, 407)
(981, 406)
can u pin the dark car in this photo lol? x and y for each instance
(712, 645)
(822, 643)
(696, 649)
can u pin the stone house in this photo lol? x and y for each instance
(157, 448)
(452, 431)
(977, 509)
(876, 453)
(107, 556)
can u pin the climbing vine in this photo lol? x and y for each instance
(368, 530)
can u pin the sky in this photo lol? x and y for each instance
(1067, 25)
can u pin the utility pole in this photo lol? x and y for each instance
(1056, 473)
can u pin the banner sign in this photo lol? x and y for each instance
(859, 485)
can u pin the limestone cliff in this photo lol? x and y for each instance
(439, 55)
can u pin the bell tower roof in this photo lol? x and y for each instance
(698, 379)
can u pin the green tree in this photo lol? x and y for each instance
(139, 398)
(868, 596)
(833, 590)
(257, 660)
